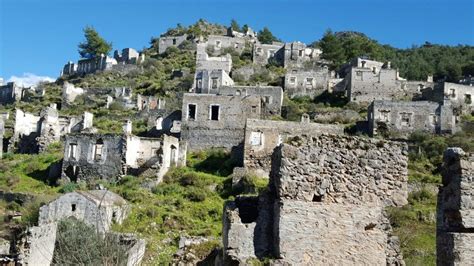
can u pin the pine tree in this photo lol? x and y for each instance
(234, 25)
(266, 36)
(332, 49)
(94, 45)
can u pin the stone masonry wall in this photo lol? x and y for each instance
(325, 204)
(332, 191)
(263, 136)
(455, 210)
(227, 131)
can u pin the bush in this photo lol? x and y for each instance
(80, 244)
(196, 194)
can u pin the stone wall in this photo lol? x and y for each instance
(460, 96)
(296, 54)
(205, 62)
(168, 41)
(404, 118)
(325, 204)
(97, 208)
(226, 130)
(209, 81)
(271, 96)
(88, 162)
(10, 93)
(37, 247)
(263, 136)
(455, 210)
(264, 52)
(218, 43)
(306, 83)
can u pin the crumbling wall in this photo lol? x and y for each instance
(271, 96)
(306, 83)
(205, 62)
(262, 53)
(455, 210)
(405, 118)
(202, 132)
(263, 136)
(217, 43)
(37, 246)
(336, 188)
(85, 163)
(168, 41)
(329, 194)
(460, 96)
(70, 92)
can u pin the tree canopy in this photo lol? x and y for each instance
(443, 62)
(234, 25)
(94, 45)
(266, 36)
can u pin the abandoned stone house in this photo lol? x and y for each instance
(148, 103)
(129, 56)
(296, 54)
(249, 33)
(109, 156)
(95, 64)
(262, 53)
(170, 41)
(209, 81)
(459, 95)
(11, 93)
(33, 133)
(329, 212)
(271, 96)
(455, 210)
(216, 121)
(368, 80)
(97, 208)
(263, 136)
(307, 82)
(206, 62)
(119, 95)
(217, 43)
(404, 118)
(70, 68)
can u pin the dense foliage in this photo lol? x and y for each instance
(416, 63)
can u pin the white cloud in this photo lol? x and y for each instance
(29, 79)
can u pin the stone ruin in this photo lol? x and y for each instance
(96, 208)
(307, 82)
(367, 80)
(128, 57)
(34, 133)
(455, 210)
(120, 95)
(325, 205)
(262, 137)
(404, 118)
(11, 93)
(169, 41)
(109, 156)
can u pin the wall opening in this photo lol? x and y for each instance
(214, 112)
(98, 149)
(173, 154)
(248, 209)
(73, 151)
(317, 198)
(73, 207)
(191, 112)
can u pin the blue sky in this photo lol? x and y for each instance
(39, 36)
